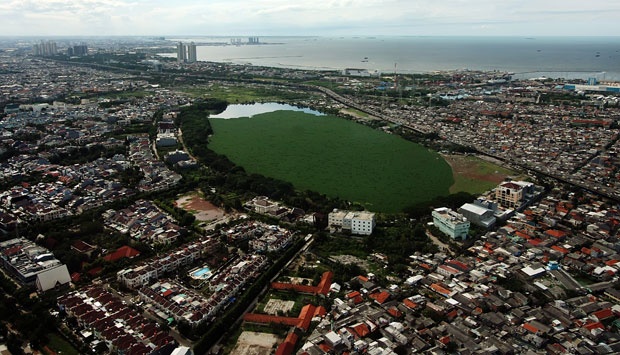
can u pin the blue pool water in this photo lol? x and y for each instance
(200, 273)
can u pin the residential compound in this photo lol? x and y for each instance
(144, 221)
(354, 222)
(451, 223)
(105, 319)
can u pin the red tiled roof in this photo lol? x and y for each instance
(440, 289)
(122, 252)
(326, 283)
(555, 233)
(380, 297)
(595, 325)
(305, 316)
(459, 265)
(322, 288)
(352, 294)
(288, 345)
(409, 303)
(535, 241)
(361, 330)
(395, 312)
(522, 235)
(326, 348)
(12, 250)
(266, 319)
(560, 249)
(452, 314)
(603, 314)
(531, 328)
(425, 266)
(320, 311)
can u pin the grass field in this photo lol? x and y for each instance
(334, 156)
(239, 93)
(474, 175)
(59, 345)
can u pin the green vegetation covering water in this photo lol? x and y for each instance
(334, 156)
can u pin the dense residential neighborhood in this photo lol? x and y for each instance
(135, 245)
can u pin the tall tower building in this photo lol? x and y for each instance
(45, 48)
(191, 53)
(181, 53)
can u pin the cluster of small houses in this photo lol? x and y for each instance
(506, 120)
(104, 321)
(144, 221)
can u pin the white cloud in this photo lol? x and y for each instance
(272, 17)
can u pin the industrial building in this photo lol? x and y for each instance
(478, 215)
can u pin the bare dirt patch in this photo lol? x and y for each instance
(254, 343)
(202, 209)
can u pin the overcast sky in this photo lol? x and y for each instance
(310, 17)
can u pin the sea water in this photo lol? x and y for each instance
(566, 57)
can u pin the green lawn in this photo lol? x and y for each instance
(475, 175)
(241, 93)
(59, 345)
(334, 156)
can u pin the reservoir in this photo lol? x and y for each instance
(330, 155)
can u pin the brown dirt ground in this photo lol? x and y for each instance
(253, 343)
(201, 208)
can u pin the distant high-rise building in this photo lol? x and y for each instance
(47, 48)
(191, 53)
(181, 53)
(80, 50)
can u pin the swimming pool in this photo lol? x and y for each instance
(202, 273)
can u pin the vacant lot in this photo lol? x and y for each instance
(334, 156)
(474, 175)
(253, 343)
(202, 209)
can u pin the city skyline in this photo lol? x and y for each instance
(336, 17)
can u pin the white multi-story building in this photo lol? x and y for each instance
(191, 52)
(451, 223)
(354, 222)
